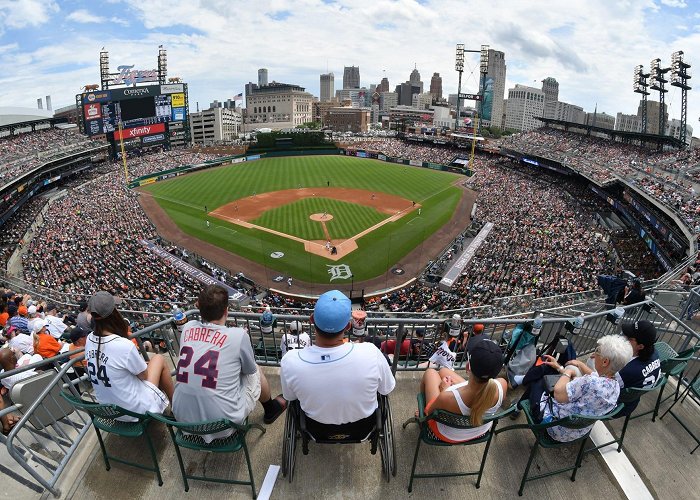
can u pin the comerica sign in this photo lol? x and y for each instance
(129, 76)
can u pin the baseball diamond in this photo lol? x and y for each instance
(278, 205)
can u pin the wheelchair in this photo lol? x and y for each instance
(378, 429)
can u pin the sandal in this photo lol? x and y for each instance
(280, 406)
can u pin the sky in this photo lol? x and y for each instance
(51, 47)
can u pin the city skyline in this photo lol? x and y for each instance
(590, 48)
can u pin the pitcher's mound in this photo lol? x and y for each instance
(321, 217)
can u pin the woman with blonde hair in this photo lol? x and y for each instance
(479, 396)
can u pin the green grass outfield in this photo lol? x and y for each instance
(184, 198)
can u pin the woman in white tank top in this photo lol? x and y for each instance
(478, 397)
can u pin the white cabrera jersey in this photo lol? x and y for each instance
(114, 375)
(208, 381)
(293, 341)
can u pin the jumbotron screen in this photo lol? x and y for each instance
(133, 109)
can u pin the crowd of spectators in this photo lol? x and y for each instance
(90, 240)
(544, 242)
(663, 175)
(407, 149)
(23, 152)
(12, 234)
(159, 161)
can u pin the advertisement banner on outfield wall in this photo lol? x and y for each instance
(381, 157)
(238, 160)
(415, 163)
(172, 88)
(253, 157)
(177, 100)
(147, 181)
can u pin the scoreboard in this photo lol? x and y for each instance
(150, 116)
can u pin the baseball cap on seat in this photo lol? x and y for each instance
(102, 304)
(485, 359)
(332, 312)
(642, 331)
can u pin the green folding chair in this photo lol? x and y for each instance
(630, 395)
(673, 364)
(544, 440)
(453, 420)
(190, 435)
(694, 388)
(104, 417)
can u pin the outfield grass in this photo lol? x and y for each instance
(184, 199)
(348, 219)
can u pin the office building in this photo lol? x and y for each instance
(673, 128)
(327, 87)
(278, 106)
(422, 101)
(436, 86)
(600, 119)
(351, 77)
(415, 80)
(217, 125)
(343, 119)
(550, 87)
(653, 115)
(493, 106)
(384, 85)
(262, 77)
(628, 123)
(568, 112)
(525, 105)
(388, 100)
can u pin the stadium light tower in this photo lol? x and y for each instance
(459, 68)
(104, 69)
(679, 78)
(656, 75)
(640, 87)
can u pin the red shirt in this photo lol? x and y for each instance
(389, 347)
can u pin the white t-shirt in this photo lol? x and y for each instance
(213, 358)
(336, 385)
(27, 359)
(293, 341)
(114, 375)
(55, 326)
(23, 343)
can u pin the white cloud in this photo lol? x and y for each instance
(679, 4)
(589, 46)
(83, 16)
(22, 13)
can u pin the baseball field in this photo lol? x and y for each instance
(318, 219)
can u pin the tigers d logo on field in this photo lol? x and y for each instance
(339, 272)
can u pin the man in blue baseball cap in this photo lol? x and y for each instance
(336, 382)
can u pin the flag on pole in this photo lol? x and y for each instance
(238, 97)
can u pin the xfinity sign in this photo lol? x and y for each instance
(139, 131)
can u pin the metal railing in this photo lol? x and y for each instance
(45, 452)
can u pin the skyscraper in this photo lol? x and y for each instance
(550, 87)
(436, 86)
(351, 77)
(384, 85)
(414, 79)
(525, 105)
(262, 77)
(495, 88)
(327, 87)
